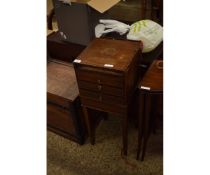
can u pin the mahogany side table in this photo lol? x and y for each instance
(149, 86)
(107, 76)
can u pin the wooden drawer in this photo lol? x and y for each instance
(116, 108)
(60, 118)
(101, 88)
(108, 63)
(100, 97)
(100, 76)
(52, 98)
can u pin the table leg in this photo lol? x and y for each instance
(146, 123)
(88, 124)
(125, 133)
(140, 123)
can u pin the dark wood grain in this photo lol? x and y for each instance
(64, 111)
(153, 82)
(141, 104)
(64, 114)
(106, 107)
(153, 77)
(61, 80)
(99, 76)
(108, 89)
(118, 53)
(62, 50)
(63, 122)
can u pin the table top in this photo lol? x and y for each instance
(61, 80)
(153, 78)
(109, 54)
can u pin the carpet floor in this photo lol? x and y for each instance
(65, 157)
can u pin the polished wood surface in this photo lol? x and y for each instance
(64, 114)
(108, 89)
(153, 78)
(63, 122)
(64, 110)
(59, 49)
(118, 53)
(61, 80)
(149, 87)
(103, 76)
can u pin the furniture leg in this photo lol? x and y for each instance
(88, 124)
(146, 123)
(140, 123)
(154, 112)
(125, 133)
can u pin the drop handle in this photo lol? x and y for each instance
(99, 87)
(99, 81)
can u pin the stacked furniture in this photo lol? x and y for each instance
(107, 73)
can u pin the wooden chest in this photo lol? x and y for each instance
(107, 74)
(64, 111)
(59, 49)
(63, 106)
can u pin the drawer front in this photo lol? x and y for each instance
(60, 118)
(98, 76)
(101, 88)
(58, 100)
(118, 109)
(100, 97)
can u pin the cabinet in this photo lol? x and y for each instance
(107, 75)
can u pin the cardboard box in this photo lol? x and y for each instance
(77, 21)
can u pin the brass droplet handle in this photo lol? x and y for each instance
(99, 81)
(99, 87)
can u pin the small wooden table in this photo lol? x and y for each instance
(150, 85)
(107, 76)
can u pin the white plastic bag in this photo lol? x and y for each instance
(149, 32)
(99, 30)
(114, 26)
(109, 25)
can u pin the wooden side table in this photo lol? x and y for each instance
(107, 76)
(149, 86)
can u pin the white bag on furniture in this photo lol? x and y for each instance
(148, 31)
